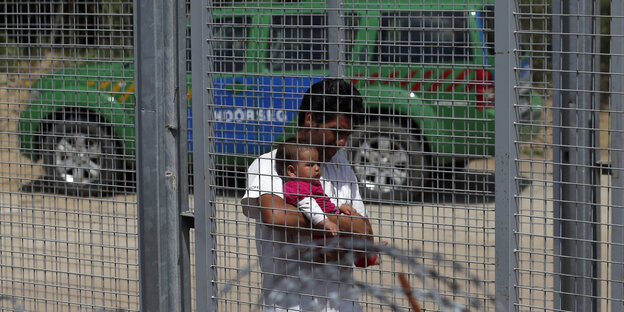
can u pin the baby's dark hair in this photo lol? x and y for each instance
(288, 153)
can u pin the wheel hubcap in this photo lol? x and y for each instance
(382, 165)
(77, 159)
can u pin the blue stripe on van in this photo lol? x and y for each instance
(250, 120)
(479, 17)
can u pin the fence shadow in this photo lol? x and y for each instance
(444, 186)
(464, 187)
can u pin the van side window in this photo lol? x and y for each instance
(298, 42)
(352, 26)
(230, 37)
(423, 37)
(488, 28)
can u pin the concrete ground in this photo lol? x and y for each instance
(60, 253)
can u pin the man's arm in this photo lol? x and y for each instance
(275, 211)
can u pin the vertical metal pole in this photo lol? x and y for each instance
(557, 52)
(158, 92)
(335, 38)
(506, 155)
(203, 153)
(617, 156)
(595, 153)
(579, 179)
(183, 154)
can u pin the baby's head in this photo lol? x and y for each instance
(297, 158)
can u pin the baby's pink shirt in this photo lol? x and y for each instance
(294, 191)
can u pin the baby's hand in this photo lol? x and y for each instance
(347, 210)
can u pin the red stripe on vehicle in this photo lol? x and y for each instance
(373, 80)
(406, 80)
(416, 86)
(445, 75)
(391, 77)
(462, 75)
(355, 80)
(482, 76)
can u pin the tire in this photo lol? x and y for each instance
(389, 161)
(80, 156)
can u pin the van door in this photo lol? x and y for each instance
(429, 54)
(235, 92)
(296, 57)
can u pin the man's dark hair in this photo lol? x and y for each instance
(288, 153)
(330, 97)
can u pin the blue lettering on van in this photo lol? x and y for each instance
(250, 115)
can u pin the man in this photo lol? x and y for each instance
(292, 281)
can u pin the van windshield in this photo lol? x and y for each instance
(423, 37)
(299, 42)
(230, 37)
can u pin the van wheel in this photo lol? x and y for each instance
(80, 156)
(389, 161)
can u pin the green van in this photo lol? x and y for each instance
(424, 68)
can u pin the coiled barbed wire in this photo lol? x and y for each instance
(295, 285)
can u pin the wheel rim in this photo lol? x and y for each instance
(76, 159)
(381, 164)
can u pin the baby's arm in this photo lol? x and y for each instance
(316, 215)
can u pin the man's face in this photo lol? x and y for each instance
(330, 136)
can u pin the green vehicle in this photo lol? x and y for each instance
(424, 68)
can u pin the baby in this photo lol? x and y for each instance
(299, 166)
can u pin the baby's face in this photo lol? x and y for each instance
(308, 165)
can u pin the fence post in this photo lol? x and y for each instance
(335, 39)
(203, 153)
(164, 280)
(506, 155)
(576, 178)
(617, 156)
(556, 106)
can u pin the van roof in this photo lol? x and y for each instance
(446, 5)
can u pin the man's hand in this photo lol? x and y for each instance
(347, 210)
(352, 225)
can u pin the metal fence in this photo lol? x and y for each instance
(425, 72)
(488, 158)
(61, 64)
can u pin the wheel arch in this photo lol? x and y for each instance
(410, 122)
(423, 120)
(92, 114)
(394, 170)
